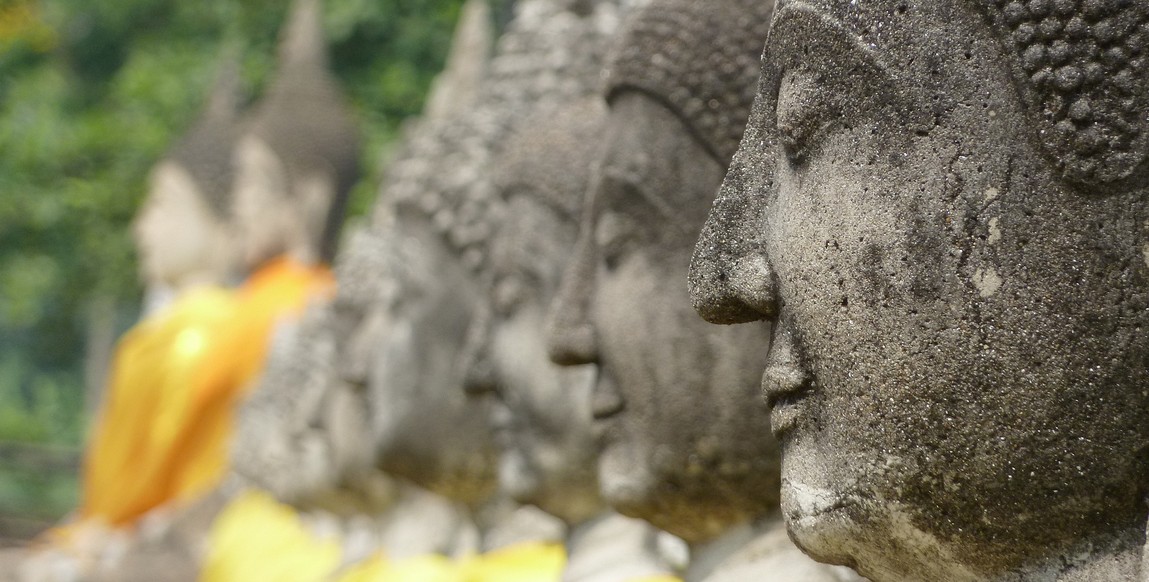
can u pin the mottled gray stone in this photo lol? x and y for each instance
(541, 412)
(683, 426)
(959, 364)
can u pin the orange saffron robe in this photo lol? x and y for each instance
(176, 381)
(152, 384)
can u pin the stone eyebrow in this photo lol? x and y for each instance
(796, 22)
(843, 61)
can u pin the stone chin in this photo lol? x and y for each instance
(874, 536)
(625, 480)
(817, 519)
(517, 478)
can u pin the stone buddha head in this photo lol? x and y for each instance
(183, 230)
(540, 412)
(401, 316)
(942, 207)
(299, 156)
(677, 402)
(302, 434)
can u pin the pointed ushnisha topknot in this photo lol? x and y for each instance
(304, 118)
(205, 151)
(302, 44)
(702, 59)
(1084, 70)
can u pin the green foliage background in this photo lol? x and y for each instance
(91, 94)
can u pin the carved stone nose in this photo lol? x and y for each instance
(728, 290)
(479, 376)
(570, 334)
(571, 337)
(571, 344)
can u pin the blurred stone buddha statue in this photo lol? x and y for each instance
(160, 367)
(942, 207)
(678, 405)
(407, 300)
(298, 157)
(183, 231)
(302, 435)
(361, 389)
(296, 160)
(541, 413)
(438, 214)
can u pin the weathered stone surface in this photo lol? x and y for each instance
(959, 362)
(540, 412)
(683, 426)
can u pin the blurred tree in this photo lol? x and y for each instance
(91, 93)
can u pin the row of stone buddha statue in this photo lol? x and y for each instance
(928, 219)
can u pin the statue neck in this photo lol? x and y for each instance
(706, 557)
(503, 523)
(1119, 565)
(610, 546)
(157, 296)
(761, 551)
(304, 252)
(191, 281)
(420, 522)
(1111, 558)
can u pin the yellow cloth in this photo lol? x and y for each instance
(429, 568)
(131, 466)
(278, 291)
(524, 562)
(175, 382)
(256, 538)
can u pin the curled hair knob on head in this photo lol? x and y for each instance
(1083, 66)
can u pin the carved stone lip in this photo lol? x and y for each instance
(786, 412)
(605, 401)
(503, 426)
(786, 389)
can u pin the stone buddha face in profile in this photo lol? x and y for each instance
(401, 316)
(540, 411)
(942, 207)
(676, 401)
